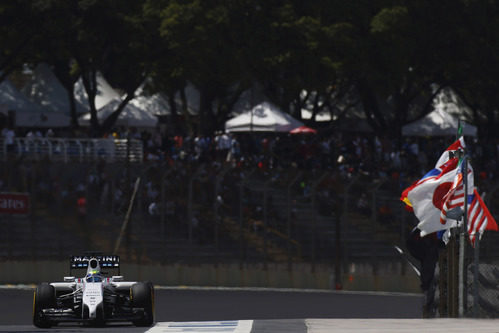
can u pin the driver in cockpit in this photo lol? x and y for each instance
(94, 276)
(93, 272)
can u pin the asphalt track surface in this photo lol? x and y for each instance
(259, 311)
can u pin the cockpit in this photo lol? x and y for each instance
(93, 277)
(93, 272)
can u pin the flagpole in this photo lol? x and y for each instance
(475, 277)
(463, 228)
(453, 261)
(462, 238)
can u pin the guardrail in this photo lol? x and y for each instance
(73, 149)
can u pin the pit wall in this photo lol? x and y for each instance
(386, 277)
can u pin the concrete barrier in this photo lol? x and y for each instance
(389, 277)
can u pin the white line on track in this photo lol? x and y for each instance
(436, 325)
(232, 326)
(290, 290)
(283, 290)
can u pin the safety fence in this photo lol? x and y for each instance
(480, 291)
(259, 214)
(72, 150)
(482, 297)
(218, 212)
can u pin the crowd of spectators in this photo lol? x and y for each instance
(349, 153)
(101, 187)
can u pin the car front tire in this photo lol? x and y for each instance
(43, 298)
(142, 295)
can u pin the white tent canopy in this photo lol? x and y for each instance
(27, 113)
(105, 93)
(264, 117)
(130, 116)
(154, 104)
(437, 123)
(141, 111)
(43, 88)
(320, 116)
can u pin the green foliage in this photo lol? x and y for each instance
(390, 20)
(388, 57)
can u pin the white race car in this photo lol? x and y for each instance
(93, 299)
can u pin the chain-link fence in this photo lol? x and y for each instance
(215, 213)
(275, 215)
(481, 284)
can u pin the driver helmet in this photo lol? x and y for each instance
(94, 276)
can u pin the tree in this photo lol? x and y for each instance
(81, 38)
(19, 24)
(205, 38)
(167, 74)
(473, 66)
(394, 74)
(108, 41)
(52, 45)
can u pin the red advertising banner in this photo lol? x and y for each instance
(14, 203)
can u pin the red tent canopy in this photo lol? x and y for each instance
(303, 129)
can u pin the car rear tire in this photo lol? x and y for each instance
(43, 298)
(142, 295)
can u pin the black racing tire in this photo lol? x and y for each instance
(142, 296)
(43, 298)
(100, 321)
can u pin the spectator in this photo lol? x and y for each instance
(385, 214)
(81, 203)
(9, 135)
(363, 205)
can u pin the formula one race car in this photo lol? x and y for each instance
(93, 299)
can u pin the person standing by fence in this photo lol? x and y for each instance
(81, 203)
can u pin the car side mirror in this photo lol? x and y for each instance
(117, 278)
(69, 279)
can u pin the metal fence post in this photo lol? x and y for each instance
(162, 207)
(344, 218)
(189, 203)
(452, 273)
(314, 219)
(374, 215)
(476, 285)
(241, 238)
(216, 205)
(32, 211)
(265, 226)
(162, 212)
(288, 226)
(242, 183)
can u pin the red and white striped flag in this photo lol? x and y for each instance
(479, 218)
(455, 196)
(427, 196)
(450, 151)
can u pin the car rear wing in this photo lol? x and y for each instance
(105, 261)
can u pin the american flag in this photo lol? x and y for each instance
(479, 218)
(455, 196)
